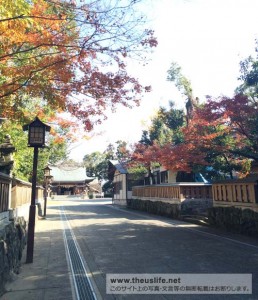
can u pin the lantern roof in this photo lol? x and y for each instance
(36, 123)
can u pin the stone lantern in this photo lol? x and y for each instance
(6, 159)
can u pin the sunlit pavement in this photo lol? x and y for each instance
(48, 277)
(67, 201)
(117, 240)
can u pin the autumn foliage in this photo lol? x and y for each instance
(222, 133)
(71, 55)
(217, 137)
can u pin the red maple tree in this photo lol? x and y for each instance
(222, 131)
(70, 54)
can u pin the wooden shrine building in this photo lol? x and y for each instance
(69, 180)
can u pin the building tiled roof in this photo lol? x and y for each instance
(119, 166)
(69, 174)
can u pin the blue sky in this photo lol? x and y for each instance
(207, 38)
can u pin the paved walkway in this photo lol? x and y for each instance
(48, 277)
(129, 236)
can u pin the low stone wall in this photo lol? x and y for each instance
(234, 219)
(244, 221)
(12, 243)
(121, 202)
(171, 210)
(198, 207)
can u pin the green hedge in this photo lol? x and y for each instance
(234, 219)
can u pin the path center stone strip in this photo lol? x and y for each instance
(82, 285)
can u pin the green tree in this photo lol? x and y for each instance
(184, 85)
(23, 156)
(145, 138)
(249, 78)
(122, 151)
(110, 152)
(165, 126)
(95, 164)
(172, 117)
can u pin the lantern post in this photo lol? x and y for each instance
(47, 179)
(36, 139)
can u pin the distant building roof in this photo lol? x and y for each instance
(113, 166)
(69, 174)
(119, 166)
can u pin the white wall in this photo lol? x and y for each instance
(172, 177)
(121, 194)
